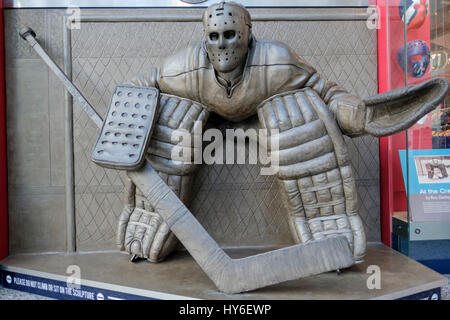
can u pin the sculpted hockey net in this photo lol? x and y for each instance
(234, 203)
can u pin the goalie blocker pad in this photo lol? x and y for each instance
(126, 130)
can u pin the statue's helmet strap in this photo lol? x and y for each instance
(227, 28)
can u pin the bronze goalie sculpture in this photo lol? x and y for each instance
(235, 75)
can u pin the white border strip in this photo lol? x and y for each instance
(100, 285)
(177, 3)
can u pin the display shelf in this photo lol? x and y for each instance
(180, 277)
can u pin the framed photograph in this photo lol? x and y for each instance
(427, 182)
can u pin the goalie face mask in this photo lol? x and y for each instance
(418, 58)
(227, 35)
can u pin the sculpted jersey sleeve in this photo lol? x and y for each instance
(285, 71)
(148, 78)
(349, 110)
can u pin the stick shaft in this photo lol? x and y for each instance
(66, 82)
(71, 232)
(238, 275)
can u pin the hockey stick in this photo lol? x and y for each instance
(229, 275)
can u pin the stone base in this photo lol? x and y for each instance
(110, 275)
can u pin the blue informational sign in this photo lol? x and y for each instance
(428, 183)
(433, 294)
(61, 290)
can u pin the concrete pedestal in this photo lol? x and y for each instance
(110, 275)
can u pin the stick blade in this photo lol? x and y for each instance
(290, 263)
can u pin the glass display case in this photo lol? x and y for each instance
(415, 164)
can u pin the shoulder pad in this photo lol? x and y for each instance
(186, 60)
(270, 52)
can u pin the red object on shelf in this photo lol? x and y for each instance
(3, 164)
(391, 76)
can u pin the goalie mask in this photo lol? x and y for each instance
(418, 58)
(227, 28)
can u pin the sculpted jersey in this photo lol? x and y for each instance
(271, 68)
